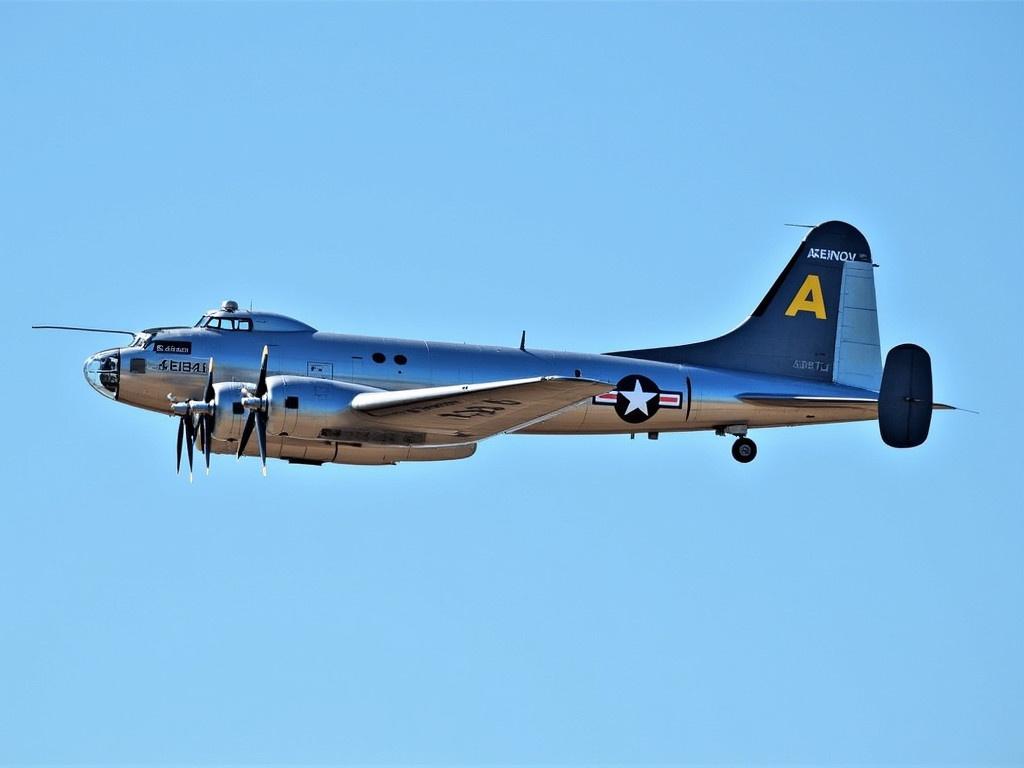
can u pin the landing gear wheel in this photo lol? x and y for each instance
(744, 450)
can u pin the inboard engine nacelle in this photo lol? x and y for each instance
(295, 406)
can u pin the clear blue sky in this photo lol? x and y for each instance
(606, 176)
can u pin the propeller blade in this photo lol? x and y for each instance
(261, 385)
(209, 394)
(246, 433)
(190, 439)
(257, 413)
(206, 420)
(181, 436)
(201, 433)
(261, 436)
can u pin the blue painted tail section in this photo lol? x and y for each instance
(818, 321)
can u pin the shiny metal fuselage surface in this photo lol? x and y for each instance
(702, 398)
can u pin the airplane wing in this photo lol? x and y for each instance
(467, 412)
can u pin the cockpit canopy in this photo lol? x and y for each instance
(225, 323)
(230, 318)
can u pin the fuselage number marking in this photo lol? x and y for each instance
(183, 366)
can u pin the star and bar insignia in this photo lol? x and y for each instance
(636, 399)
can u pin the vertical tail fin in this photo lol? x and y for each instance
(818, 320)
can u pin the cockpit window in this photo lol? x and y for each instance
(226, 323)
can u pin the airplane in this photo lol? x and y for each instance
(808, 354)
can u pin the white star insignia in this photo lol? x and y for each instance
(638, 399)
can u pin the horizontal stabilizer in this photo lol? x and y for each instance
(905, 400)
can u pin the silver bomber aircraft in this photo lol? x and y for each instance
(809, 354)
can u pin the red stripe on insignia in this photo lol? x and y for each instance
(669, 399)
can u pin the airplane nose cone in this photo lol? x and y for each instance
(103, 372)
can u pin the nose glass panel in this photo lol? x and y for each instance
(103, 373)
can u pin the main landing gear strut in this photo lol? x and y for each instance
(744, 449)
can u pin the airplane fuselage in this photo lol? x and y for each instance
(174, 361)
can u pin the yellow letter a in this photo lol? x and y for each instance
(808, 299)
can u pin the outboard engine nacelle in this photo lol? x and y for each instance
(302, 407)
(905, 399)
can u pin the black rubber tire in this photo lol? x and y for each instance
(744, 450)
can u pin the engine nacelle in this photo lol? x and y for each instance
(299, 406)
(228, 414)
